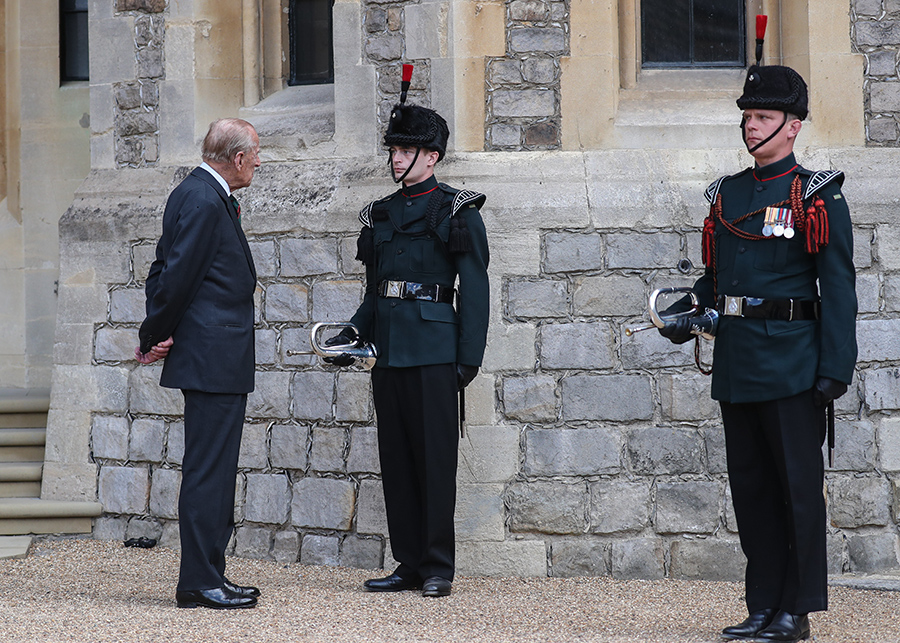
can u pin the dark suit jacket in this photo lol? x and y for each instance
(200, 292)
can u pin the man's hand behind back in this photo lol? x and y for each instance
(156, 353)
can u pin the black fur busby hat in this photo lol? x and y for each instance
(416, 126)
(775, 87)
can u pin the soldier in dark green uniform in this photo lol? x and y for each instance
(430, 338)
(778, 252)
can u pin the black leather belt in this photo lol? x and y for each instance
(412, 290)
(756, 308)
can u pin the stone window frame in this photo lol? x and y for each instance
(630, 68)
(267, 94)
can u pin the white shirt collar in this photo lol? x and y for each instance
(217, 177)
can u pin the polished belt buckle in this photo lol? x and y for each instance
(734, 306)
(393, 289)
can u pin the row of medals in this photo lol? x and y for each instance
(779, 222)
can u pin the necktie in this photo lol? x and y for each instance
(237, 206)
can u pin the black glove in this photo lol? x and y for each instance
(346, 336)
(826, 390)
(464, 375)
(678, 331)
(344, 359)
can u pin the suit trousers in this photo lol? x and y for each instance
(775, 467)
(418, 437)
(213, 423)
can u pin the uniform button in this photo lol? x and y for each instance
(400, 252)
(409, 203)
(760, 188)
(734, 283)
(393, 304)
(742, 249)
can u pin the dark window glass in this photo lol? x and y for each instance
(692, 33)
(312, 58)
(73, 40)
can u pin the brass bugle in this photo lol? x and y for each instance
(364, 353)
(660, 321)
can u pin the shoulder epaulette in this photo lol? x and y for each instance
(462, 198)
(365, 215)
(713, 190)
(820, 179)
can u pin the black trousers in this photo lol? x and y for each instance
(418, 437)
(774, 452)
(213, 423)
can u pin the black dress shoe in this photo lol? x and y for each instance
(750, 626)
(436, 586)
(217, 598)
(241, 590)
(392, 583)
(786, 627)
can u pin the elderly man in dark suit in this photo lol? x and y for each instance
(200, 319)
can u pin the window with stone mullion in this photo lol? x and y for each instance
(693, 33)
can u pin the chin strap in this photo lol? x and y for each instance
(391, 164)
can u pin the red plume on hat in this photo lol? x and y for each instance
(405, 81)
(761, 21)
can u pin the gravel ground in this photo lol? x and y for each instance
(86, 590)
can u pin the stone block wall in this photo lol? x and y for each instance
(523, 87)
(136, 109)
(587, 452)
(384, 43)
(876, 34)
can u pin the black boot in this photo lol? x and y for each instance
(750, 626)
(786, 627)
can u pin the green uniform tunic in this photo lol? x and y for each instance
(764, 359)
(412, 332)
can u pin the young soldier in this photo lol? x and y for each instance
(415, 243)
(778, 252)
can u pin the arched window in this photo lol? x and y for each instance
(312, 58)
(693, 33)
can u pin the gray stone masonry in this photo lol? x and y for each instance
(523, 87)
(638, 558)
(164, 492)
(570, 558)
(136, 109)
(708, 559)
(268, 498)
(688, 507)
(619, 506)
(669, 450)
(109, 437)
(319, 550)
(572, 452)
(876, 34)
(547, 507)
(385, 46)
(586, 451)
